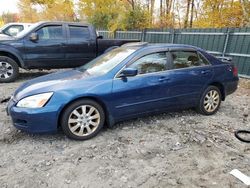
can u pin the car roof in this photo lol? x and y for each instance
(147, 46)
(18, 23)
(63, 22)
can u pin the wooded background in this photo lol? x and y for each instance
(136, 14)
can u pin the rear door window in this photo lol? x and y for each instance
(78, 32)
(185, 59)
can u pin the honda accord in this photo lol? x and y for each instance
(127, 82)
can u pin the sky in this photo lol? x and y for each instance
(8, 6)
(11, 5)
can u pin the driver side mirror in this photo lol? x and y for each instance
(128, 72)
(34, 37)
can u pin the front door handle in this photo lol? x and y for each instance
(163, 79)
(205, 71)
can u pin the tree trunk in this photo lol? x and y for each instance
(192, 14)
(132, 3)
(187, 14)
(161, 13)
(173, 13)
(178, 13)
(152, 11)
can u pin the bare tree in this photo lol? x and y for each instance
(161, 12)
(192, 14)
(178, 13)
(187, 14)
(152, 2)
(173, 15)
(168, 6)
(197, 9)
(132, 3)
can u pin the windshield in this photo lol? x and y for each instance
(26, 31)
(107, 61)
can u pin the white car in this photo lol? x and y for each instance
(12, 29)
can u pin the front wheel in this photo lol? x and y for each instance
(82, 119)
(9, 69)
(210, 101)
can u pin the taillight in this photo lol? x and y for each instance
(235, 71)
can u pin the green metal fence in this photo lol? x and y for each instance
(229, 42)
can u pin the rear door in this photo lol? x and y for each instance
(191, 73)
(48, 50)
(81, 46)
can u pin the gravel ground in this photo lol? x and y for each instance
(178, 149)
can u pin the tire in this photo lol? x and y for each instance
(210, 101)
(9, 69)
(79, 125)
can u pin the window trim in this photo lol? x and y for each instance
(201, 54)
(139, 57)
(197, 52)
(56, 25)
(13, 25)
(72, 25)
(10, 26)
(167, 51)
(167, 59)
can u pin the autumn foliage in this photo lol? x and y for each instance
(138, 14)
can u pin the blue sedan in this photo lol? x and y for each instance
(127, 82)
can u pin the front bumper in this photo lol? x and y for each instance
(40, 120)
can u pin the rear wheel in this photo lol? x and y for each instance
(210, 101)
(82, 119)
(9, 69)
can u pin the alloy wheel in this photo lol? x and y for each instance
(84, 120)
(6, 70)
(211, 101)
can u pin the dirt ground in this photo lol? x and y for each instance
(178, 149)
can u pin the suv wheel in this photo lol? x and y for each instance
(9, 69)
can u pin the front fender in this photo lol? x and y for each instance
(14, 52)
(109, 117)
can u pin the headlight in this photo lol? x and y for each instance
(35, 101)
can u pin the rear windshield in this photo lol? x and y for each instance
(106, 62)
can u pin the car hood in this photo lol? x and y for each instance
(4, 37)
(61, 80)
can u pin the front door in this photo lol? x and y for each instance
(147, 91)
(48, 50)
